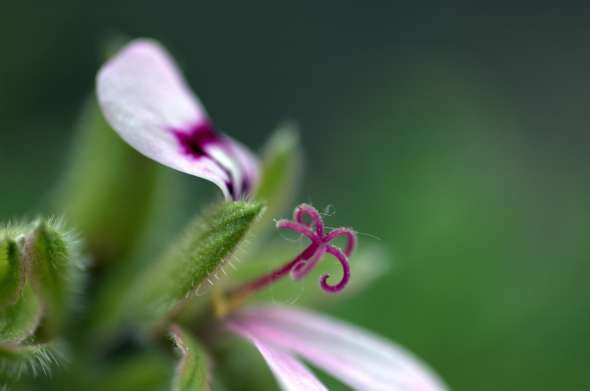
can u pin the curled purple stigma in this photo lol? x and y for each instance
(320, 245)
(303, 263)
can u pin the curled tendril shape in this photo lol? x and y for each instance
(320, 245)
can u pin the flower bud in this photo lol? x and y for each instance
(55, 267)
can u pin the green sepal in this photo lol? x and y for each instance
(55, 271)
(192, 371)
(109, 192)
(12, 272)
(21, 319)
(39, 359)
(281, 171)
(208, 240)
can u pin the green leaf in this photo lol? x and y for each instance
(110, 190)
(192, 371)
(281, 171)
(19, 360)
(20, 320)
(55, 271)
(207, 241)
(12, 272)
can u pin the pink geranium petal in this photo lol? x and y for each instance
(359, 359)
(291, 374)
(146, 100)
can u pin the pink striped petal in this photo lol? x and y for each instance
(359, 359)
(291, 374)
(146, 100)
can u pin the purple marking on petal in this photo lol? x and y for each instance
(246, 185)
(145, 99)
(194, 141)
(231, 189)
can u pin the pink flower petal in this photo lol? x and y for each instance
(289, 372)
(145, 99)
(359, 359)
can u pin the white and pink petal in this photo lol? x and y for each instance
(290, 373)
(359, 359)
(147, 102)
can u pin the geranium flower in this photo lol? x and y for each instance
(146, 100)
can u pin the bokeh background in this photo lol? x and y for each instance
(455, 137)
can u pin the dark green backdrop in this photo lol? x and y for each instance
(458, 136)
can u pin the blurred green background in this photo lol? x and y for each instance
(455, 137)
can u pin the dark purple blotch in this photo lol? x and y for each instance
(193, 143)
